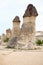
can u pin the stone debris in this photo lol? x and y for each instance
(12, 42)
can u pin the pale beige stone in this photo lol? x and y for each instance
(8, 33)
(16, 29)
(28, 29)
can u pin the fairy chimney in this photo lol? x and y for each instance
(29, 18)
(16, 27)
(8, 33)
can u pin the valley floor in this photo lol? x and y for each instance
(18, 57)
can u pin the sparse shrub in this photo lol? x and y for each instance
(42, 42)
(39, 42)
(6, 40)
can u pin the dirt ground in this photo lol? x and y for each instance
(21, 57)
(29, 57)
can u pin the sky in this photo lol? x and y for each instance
(11, 8)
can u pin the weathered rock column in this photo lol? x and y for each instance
(16, 27)
(13, 42)
(28, 27)
(8, 33)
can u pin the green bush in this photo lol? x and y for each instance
(39, 42)
(42, 41)
(6, 40)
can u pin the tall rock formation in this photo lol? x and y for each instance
(15, 33)
(16, 27)
(8, 33)
(25, 36)
(28, 27)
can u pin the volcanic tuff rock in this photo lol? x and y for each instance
(30, 11)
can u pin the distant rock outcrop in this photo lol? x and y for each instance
(8, 33)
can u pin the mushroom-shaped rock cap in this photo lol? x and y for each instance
(30, 11)
(16, 19)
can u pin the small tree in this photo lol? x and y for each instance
(39, 42)
(6, 40)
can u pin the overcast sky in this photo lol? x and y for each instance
(10, 8)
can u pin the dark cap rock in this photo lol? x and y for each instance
(30, 11)
(16, 19)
